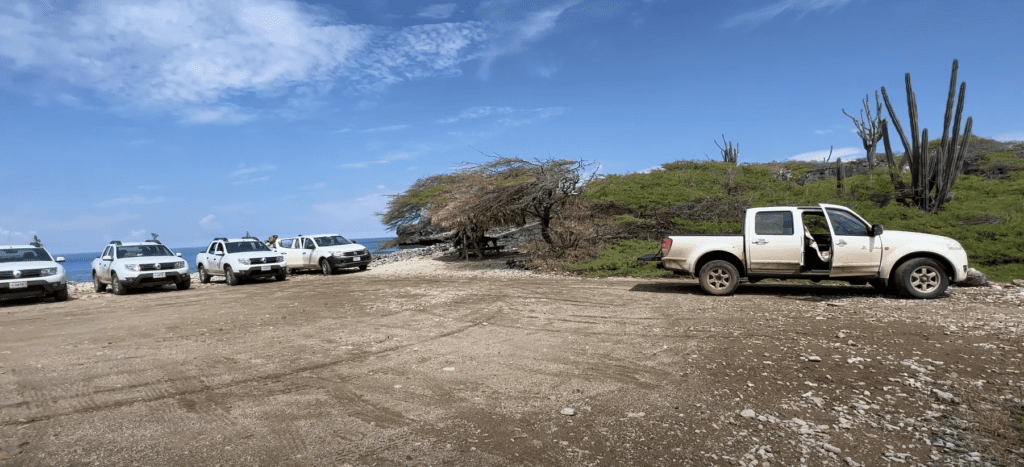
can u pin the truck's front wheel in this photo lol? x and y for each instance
(325, 267)
(719, 277)
(229, 276)
(922, 278)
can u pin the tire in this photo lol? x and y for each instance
(281, 277)
(229, 276)
(204, 276)
(61, 295)
(116, 286)
(325, 267)
(921, 278)
(363, 267)
(719, 277)
(185, 283)
(97, 285)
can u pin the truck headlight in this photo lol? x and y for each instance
(48, 272)
(279, 259)
(337, 254)
(179, 265)
(244, 261)
(132, 267)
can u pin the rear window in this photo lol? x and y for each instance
(773, 223)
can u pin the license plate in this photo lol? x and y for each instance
(265, 268)
(357, 258)
(19, 284)
(159, 275)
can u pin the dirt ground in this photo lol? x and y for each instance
(390, 368)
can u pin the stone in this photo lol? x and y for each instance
(1018, 282)
(831, 448)
(748, 414)
(568, 411)
(814, 358)
(943, 395)
(975, 278)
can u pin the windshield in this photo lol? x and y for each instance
(332, 240)
(21, 255)
(248, 245)
(135, 251)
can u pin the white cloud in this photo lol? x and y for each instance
(137, 233)
(132, 200)
(387, 159)
(769, 12)
(511, 35)
(384, 128)
(209, 222)
(194, 58)
(529, 116)
(823, 154)
(245, 175)
(477, 112)
(822, 132)
(438, 11)
(1010, 136)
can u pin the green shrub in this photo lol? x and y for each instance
(619, 259)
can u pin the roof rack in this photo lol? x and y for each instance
(249, 236)
(220, 238)
(115, 242)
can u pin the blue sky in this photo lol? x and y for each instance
(203, 118)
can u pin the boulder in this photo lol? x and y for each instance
(975, 278)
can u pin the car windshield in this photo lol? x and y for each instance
(248, 245)
(135, 251)
(332, 240)
(19, 255)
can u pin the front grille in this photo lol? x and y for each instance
(24, 273)
(152, 267)
(356, 253)
(267, 260)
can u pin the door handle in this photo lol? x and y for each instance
(760, 241)
(841, 243)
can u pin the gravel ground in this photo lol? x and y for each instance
(427, 360)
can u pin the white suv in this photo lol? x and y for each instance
(239, 258)
(124, 266)
(30, 271)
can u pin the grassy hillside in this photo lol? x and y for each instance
(986, 214)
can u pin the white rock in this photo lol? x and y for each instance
(814, 358)
(831, 448)
(748, 414)
(568, 411)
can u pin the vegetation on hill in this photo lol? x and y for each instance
(986, 212)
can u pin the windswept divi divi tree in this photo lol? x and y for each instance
(869, 128)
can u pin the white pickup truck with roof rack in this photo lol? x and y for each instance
(29, 271)
(239, 258)
(127, 265)
(824, 242)
(328, 253)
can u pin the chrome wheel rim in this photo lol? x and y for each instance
(719, 278)
(925, 279)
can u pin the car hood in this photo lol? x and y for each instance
(151, 259)
(342, 248)
(900, 236)
(256, 254)
(23, 265)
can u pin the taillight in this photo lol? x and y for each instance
(666, 245)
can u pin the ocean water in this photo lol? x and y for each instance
(78, 266)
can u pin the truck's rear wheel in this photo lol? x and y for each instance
(719, 277)
(922, 278)
(204, 276)
(325, 266)
(96, 284)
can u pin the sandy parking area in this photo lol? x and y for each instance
(427, 362)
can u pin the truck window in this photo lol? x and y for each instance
(773, 223)
(309, 244)
(845, 223)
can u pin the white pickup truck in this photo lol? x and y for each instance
(238, 259)
(817, 243)
(328, 253)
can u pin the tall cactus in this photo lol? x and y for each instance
(930, 172)
(729, 153)
(869, 128)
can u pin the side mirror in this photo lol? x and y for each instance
(178, 255)
(877, 230)
(60, 259)
(221, 253)
(107, 258)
